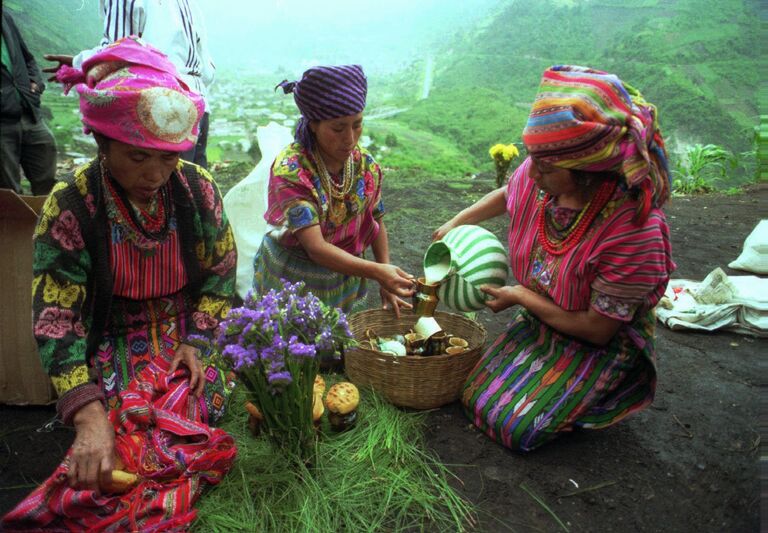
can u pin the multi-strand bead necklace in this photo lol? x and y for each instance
(583, 221)
(337, 192)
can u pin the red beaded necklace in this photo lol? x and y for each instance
(582, 224)
(152, 225)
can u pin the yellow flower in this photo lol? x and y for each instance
(503, 152)
(502, 155)
(496, 151)
(511, 152)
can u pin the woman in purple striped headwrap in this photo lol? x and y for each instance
(325, 200)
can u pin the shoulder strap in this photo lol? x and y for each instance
(185, 213)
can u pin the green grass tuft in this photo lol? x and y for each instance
(376, 476)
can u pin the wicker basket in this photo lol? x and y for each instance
(412, 381)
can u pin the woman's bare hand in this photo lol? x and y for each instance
(61, 60)
(389, 300)
(502, 297)
(92, 459)
(188, 355)
(395, 280)
(440, 232)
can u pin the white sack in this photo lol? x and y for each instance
(246, 203)
(746, 311)
(754, 257)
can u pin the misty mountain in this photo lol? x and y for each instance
(697, 60)
(455, 77)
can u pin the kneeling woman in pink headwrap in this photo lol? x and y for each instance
(134, 266)
(325, 202)
(589, 247)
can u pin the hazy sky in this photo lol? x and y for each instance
(293, 34)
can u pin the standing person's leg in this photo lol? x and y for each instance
(38, 155)
(197, 154)
(10, 147)
(201, 155)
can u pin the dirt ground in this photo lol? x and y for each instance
(688, 463)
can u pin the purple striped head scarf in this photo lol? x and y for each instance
(324, 93)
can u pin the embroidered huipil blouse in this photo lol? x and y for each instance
(297, 200)
(75, 275)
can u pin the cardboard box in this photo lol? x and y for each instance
(22, 380)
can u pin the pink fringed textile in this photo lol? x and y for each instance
(159, 437)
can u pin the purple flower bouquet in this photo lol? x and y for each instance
(273, 343)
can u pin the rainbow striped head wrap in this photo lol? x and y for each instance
(590, 120)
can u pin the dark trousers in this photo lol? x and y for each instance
(197, 154)
(27, 145)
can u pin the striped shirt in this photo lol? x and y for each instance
(617, 268)
(175, 27)
(139, 275)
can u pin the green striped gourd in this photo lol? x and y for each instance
(465, 259)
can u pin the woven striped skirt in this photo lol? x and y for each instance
(275, 263)
(533, 384)
(148, 332)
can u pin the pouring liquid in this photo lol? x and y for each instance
(437, 272)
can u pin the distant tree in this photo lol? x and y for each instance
(761, 149)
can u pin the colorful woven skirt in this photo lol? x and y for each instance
(174, 457)
(275, 263)
(143, 332)
(534, 383)
(160, 433)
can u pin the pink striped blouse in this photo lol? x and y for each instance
(617, 268)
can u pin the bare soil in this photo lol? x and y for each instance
(688, 463)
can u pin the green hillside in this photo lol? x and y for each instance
(56, 26)
(698, 60)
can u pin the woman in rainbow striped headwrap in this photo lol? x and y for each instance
(324, 200)
(590, 249)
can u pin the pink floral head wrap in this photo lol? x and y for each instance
(131, 92)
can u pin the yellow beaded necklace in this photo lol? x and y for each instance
(336, 192)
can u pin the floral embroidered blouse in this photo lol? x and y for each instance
(297, 200)
(74, 283)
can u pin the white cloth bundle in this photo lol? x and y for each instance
(737, 303)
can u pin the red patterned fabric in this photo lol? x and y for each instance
(159, 436)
